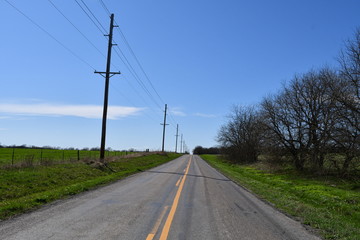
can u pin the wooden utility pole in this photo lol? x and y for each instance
(177, 135)
(181, 144)
(164, 124)
(108, 75)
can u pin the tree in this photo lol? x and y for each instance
(301, 117)
(201, 150)
(240, 137)
(347, 94)
(350, 72)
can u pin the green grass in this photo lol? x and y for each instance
(329, 204)
(22, 189)
(10, 156)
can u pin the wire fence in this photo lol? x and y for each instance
(16, 156)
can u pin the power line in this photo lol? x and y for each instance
(137, 61)
(92, 20)
(82, 34)
(105, 8)
(135, 75)
(97, 20)
(131, 69)
(50, 35)
(129, 100)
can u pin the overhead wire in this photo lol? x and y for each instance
(126, 62)
(130, 101)
(100, 27)
(122, 57)
(92, 20)
(92, 14)
(82, 34)
(104, 7)
(138, 62)
(135, 75)
(129, 66)
(50, 35)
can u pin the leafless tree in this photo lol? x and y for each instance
(301, 117)
(240, 137)
(350, 71)
(347, 94)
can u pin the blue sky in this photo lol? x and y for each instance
(201, 56)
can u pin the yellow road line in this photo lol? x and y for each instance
(166, 228)
(178, 182)
(157, 224)
(150, 236)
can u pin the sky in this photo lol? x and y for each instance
(199, 57)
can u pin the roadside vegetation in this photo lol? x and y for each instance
(25, 188)
(300, 148)
(25, 155)
(313, 121)
(329, 204)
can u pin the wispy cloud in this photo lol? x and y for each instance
(55, 110)
(177, 112)
(205, 115)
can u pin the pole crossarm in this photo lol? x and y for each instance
(110, 73)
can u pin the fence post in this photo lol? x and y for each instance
(78, 155)
(41, 153)
(13, 156)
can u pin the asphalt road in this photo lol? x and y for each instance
(182, 199)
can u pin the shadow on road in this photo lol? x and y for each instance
(192, 175)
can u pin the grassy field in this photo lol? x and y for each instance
(10, 156)
(22, 189)
(329, 204)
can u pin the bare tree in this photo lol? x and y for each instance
(301, 117)
(240, 137)
(346, 136)
(350, 72)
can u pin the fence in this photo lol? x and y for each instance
(18, 155)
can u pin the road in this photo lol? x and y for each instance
(182, 199)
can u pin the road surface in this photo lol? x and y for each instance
(182, 199)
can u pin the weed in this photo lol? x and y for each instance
(25, 188)
(28, 161)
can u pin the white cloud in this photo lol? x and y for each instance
(55, 110)
(177, 112)
(205, 115)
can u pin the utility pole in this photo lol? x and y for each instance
(164, 124)
(108, 75)
(177, 135)
(181, 143)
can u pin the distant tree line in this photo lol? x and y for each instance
(313, 120)
(202, 150)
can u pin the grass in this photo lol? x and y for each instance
(23, 189)
(329, 204)
(9, 156)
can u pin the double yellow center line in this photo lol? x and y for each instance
(167, 225)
